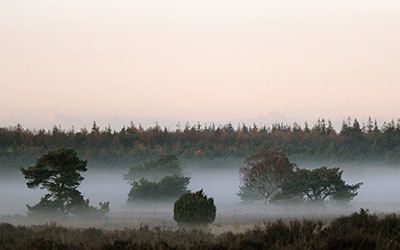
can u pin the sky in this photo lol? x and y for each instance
(69, 62)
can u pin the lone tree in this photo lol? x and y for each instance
(194, 209)
(318, 185)
(59, 172)
(155, 170)
(169, 188)
(263, 174)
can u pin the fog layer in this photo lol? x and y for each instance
(378, 193)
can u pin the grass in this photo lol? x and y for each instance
(360, 230)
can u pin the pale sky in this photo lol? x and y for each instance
(198, 60)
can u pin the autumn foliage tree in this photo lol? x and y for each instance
(263, 174)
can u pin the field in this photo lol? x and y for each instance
(358, 231)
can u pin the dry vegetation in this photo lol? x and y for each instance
(357, 231)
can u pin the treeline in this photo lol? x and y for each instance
(354, 142)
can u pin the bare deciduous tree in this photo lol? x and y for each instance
(263, 174)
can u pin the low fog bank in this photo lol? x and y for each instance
(234, 218)
(379, 193)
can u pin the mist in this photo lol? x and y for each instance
(378, 192)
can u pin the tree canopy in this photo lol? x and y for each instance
(269, 176)
(263, 174)
(317, 185)
(59, 172)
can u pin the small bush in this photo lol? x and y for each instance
(194, 209)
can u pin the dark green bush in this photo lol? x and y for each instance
(194, 209)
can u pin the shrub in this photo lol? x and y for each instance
(169, 188)
(194, 209)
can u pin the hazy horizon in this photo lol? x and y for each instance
(71, 62)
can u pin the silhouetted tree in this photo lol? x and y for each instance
(317, 185)
(59, 172)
